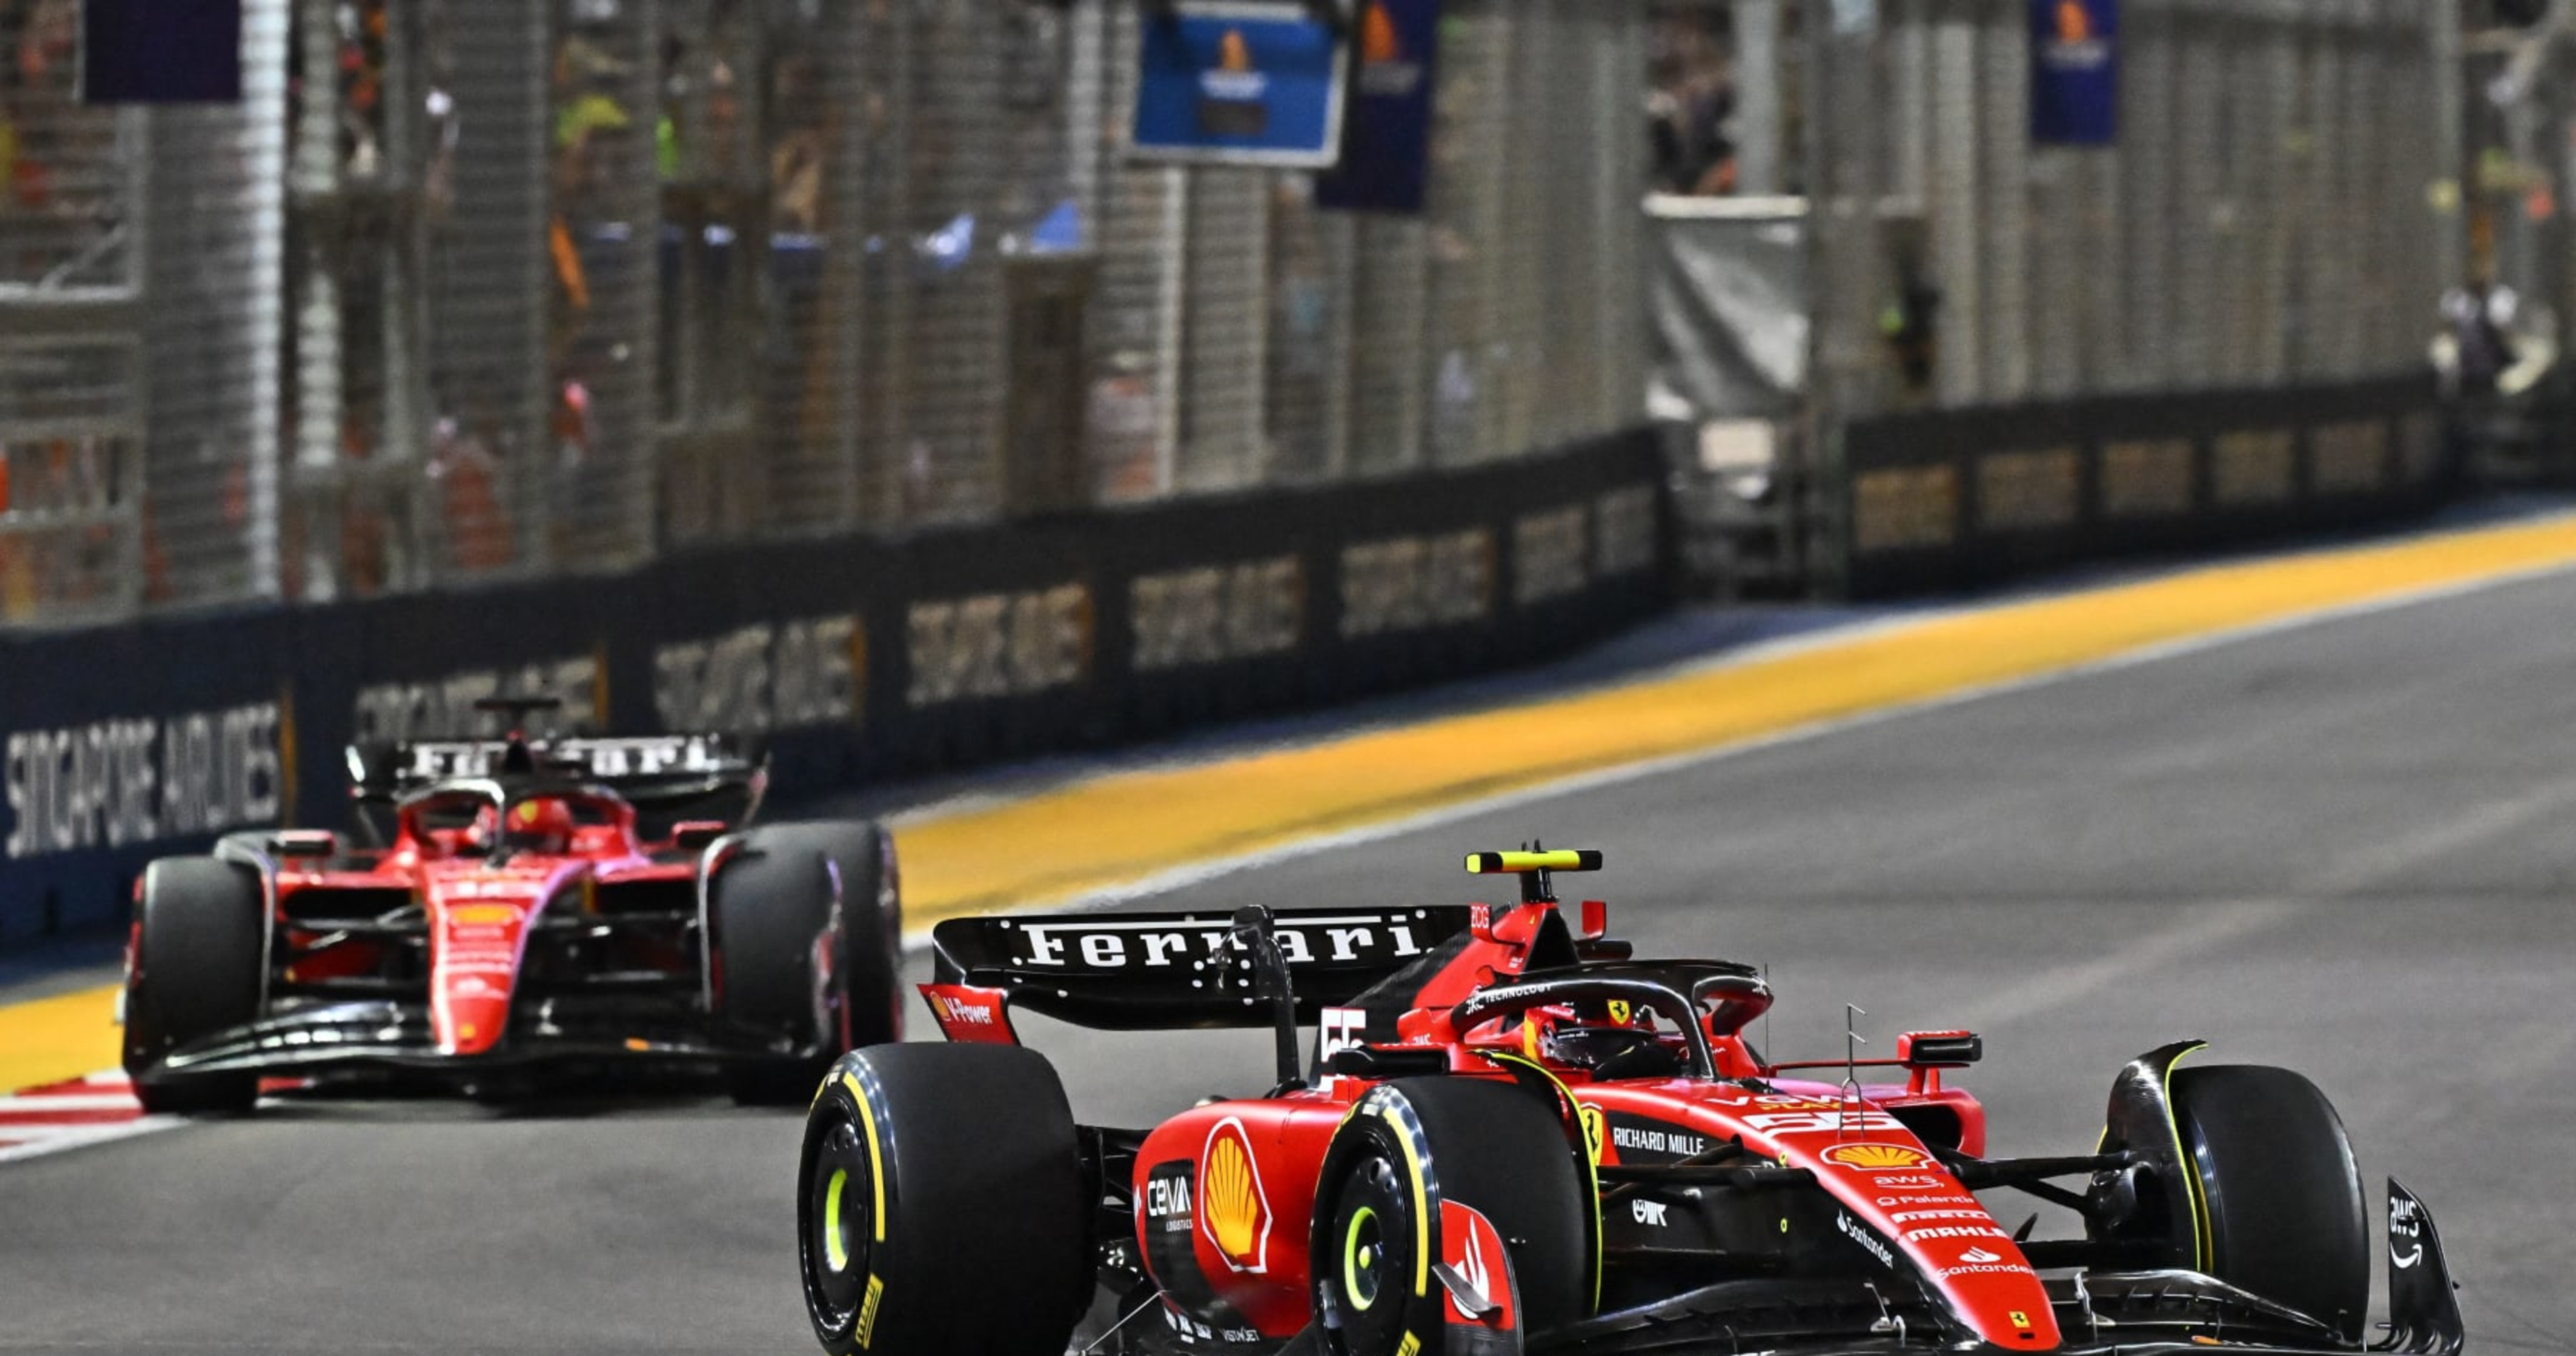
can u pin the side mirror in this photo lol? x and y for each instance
(694, 835)
(1926, 1053)
(1939, 1049)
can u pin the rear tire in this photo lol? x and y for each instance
(200, 948)
(2284, 1198)
(932, 1174)
(1486, 1145)
(771, 903)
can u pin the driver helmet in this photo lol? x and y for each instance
(541, 824)
(1611, 1040)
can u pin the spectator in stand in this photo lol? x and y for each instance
(1692, 105)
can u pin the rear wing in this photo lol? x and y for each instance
(1168, 971)
(638, 768)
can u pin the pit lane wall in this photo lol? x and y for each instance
(859, 657)
(1950, 499)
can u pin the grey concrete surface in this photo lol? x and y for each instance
(2348, 848)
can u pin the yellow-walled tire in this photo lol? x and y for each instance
(1412, 1149)
(940, 1205)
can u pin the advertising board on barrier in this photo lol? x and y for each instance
(2075, 72)
(764, 677)
(137, 781)
(154, 52)
(988, 642)
(1239, 82)
(1941, 499)
(1386, 148)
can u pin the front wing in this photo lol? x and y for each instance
(327, 1038)
(2151, 1313)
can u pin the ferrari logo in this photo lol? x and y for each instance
(1619, 1011)
(1594, 1131)
(2019, 1319)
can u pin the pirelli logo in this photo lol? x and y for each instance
(868, 1310)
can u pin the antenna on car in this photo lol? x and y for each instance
(1852, 1042)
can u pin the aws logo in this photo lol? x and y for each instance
(1387, 69)
(1235, 77)
(1233, 1209)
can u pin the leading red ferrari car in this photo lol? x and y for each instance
(532, 904)
(1515, 1136)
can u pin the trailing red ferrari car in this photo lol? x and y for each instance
(528, 902)
(1516, 1136)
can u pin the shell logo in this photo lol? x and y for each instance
(1877, 1156)
(1234, 55)
(1232, 1206)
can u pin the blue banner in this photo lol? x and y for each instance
(1240, 84)
(1386, 154)
(157, 52)
(2075, 72)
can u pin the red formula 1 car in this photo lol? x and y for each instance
(579, 902)
(1515, 1136)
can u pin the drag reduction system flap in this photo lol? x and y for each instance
(1171, 971)
(639, 767)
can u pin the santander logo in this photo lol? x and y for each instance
(1980, 1256)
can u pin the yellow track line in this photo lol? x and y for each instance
(1129, 826)
(1125, 827)
(52, 1039)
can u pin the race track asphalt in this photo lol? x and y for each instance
(2349, 848)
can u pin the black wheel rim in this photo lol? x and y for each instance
(840, 1225)
(1368, 1281)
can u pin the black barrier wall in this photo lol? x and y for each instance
(859, 658)
(1953, 499)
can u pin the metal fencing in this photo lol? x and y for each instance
(484, 289)
(2278, 210)
(2270, 215)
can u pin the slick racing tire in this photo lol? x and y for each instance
(200, 943)
(771, 902)
(2282, 1194)
(940, 1206)
(1411, 1153)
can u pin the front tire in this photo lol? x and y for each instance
(1399, 1168)
(2282, 1194)
(772, 904)
(931, 1174)
(201, 941)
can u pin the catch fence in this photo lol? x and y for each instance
(471, 290)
